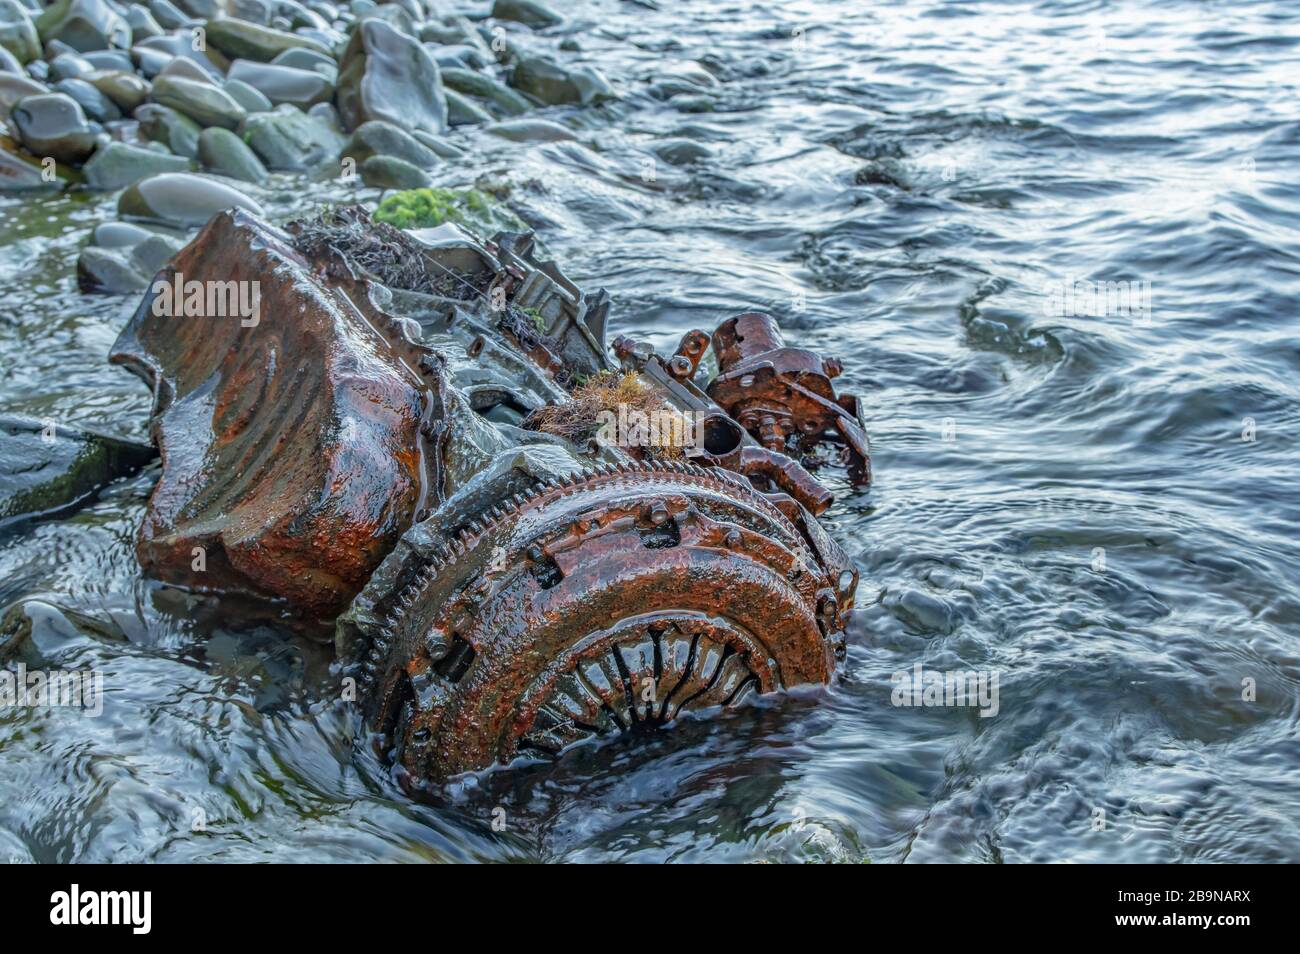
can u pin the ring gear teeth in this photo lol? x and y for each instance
(573, 614)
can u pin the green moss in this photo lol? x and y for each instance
(425, 208)
(535, 316)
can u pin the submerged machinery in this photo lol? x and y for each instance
(424, 440)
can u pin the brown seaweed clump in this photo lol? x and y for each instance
(609, 400)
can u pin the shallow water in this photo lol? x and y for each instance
(1063, 500)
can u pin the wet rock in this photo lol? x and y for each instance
(93, 103)
(46, 467)
(53, 124)
(553, 84)
(14, 88)
(246, 96)
(203, 9)
(116, 165)
(84, 25)
(108, 271)
(181, 199)
(184, 68)
(680, 152)
(531, 130)
(288, 139)
(462, 111)
(222, 151)
(301, 58)
(142, 23)
(170, 16)
(155, 251)
(254, 11)
(437, 145)
(500, 96)
(109, 60)
(528, 12)
(118, 235)
(204, 103)
(20, 173)
(68, 65)
(180, 45)
(241, 40)
(126, 90)
(377, 138)
(387, 75)
(17, 31)
(389, 172)
(306, 504)
(162, 124)
(9, 63)
(284, 84)
(460, 57)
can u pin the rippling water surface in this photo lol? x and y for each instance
(1063, 500)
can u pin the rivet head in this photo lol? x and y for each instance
(734, 539)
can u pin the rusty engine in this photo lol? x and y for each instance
(372, 452)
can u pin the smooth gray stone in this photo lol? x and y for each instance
(288, 139)
(67, 65)
(84, 25)
(389, 172)
(156, 250)
(14, 87)
(496, 93)
(241, 40)
(680, 152)
(182, 199)
(304, 59)
(182, 44)
(18, 32)
(184, 68)
(254, 11)
(378, 138)
(126, 90)
(108, 270)
(93, 103)
(463, 111)
(118, 235)
(20, 173)
(303, 18)
(170, 16)
(459, 56)
(203, 9)
(528, 12)
(531, 130)
(9, 63)
(53, 124)
(437, 144)
(45, 466)
(283, 84)
(142, 23)
(116, 165)
(178, 133)
(202, 102)
(223, 152)
(252, 100)
(388, 75)
(109, 60)
(550, 83)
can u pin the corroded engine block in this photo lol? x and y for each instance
(367, 451)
